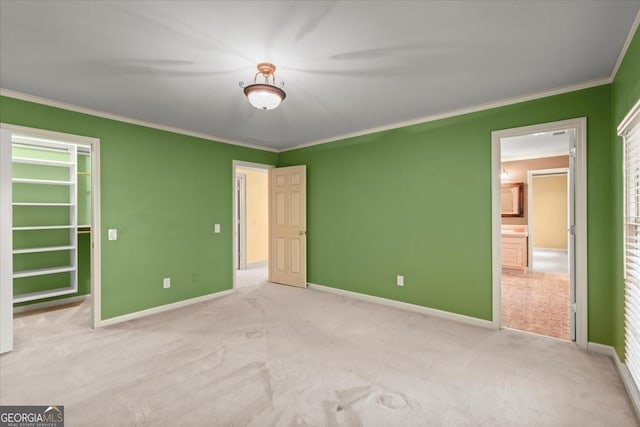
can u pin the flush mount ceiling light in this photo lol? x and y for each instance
(265, 96)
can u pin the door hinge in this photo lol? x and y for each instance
(572, 230)
(573, 307)
(572, 152)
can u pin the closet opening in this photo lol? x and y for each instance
(53, 209)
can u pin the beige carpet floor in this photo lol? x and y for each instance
(271, 355)
(536, 302)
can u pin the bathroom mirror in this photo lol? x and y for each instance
(512, 199)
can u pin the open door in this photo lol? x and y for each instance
(288, 226)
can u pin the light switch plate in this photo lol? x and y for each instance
(216, 228)
(400, 280)
(166, 282)
(113, 234)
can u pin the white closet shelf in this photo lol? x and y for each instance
(40, 204)
(43, 162)
(43, 227)
(43, 294)
(43, 249)
(42, 271)
(40, 181)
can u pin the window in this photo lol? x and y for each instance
(629, 129)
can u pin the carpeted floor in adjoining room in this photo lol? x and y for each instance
(536, 302)
(272, 355)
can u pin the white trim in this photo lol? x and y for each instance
(96, 242)
(462, 111)
(629, 383)
(234, 165)
(431, 118)
(163, 308)
(257, 264)
(241, 187)
(625, 46)
(607, 350)
(632, 115)
(6, 244)
(50, 135)
(580, 127)
(96, 237)
(47, 304)
(496, 233)
(405, 306)
(625, 375)
(51, 103)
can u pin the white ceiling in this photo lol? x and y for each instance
(348, 66)
(541, 144)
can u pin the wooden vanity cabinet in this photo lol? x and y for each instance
(514, 252)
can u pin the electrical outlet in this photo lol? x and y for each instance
(216, 228)
(166, 282)
(399, 280)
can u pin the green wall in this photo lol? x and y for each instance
(413, 201)
(625, 92)
(163, 192)
(417, 201)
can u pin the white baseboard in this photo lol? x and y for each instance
(405, 306)
(625, 375)
(629, 383)
(163, 308)
(257, 264)
(607, 350)
(47, 304)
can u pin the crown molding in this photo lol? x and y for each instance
(460, 112)
(625, 46)
(51, 103)
(434, 117)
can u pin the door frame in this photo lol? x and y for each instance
(234, 238)
(579, 126)
(530, 175)
(241, 227)
(6, 244)
(95, 257)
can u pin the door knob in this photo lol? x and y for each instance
(302, 233)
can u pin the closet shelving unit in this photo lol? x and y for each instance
(52, 165)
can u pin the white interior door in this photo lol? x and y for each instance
(6, 244)
(288, 226)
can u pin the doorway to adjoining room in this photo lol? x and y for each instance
(251, 218)
(535, 236)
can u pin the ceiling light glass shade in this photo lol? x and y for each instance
(264, 96)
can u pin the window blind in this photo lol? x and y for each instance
(631, 137)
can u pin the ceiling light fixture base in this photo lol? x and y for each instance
(264, 96)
